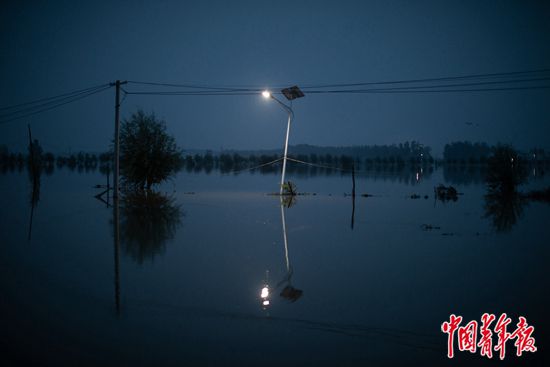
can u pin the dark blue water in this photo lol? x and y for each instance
(186, 290)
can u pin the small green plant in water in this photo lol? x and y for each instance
(289, 188)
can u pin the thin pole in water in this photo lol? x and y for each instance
(117, 85)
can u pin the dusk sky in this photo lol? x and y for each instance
(52, 47)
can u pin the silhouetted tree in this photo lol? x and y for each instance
(506, 170)
(503, 203)
(148, 155)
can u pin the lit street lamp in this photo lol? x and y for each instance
(290, 94)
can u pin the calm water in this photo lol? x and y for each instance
(182, 286)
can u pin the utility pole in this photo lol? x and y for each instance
(117, 85)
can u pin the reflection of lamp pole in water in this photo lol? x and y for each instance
(288, 292)
(285, 239)
(290, 94)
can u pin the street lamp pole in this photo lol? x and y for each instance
(290, 93)
(290, 116)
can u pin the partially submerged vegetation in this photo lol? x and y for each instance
(289, 188)
(446, 193)
(504, 203)
(148, 154)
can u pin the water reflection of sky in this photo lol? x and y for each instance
(374, 294)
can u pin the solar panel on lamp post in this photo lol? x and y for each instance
(290, 93)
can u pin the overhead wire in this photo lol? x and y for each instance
(529, 79)
(419, 89)
(51, 105)
(194, 86)
(253, 168)
(54, 97)
(412, 91)
(430, 80)
(51, 101)
(536, 79)
(189, 93)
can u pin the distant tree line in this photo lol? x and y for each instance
(81, 161)
(227, 162)
(324, 164)
(468, 153)
(459, 158)
(405, 150)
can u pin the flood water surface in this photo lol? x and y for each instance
(213, 270)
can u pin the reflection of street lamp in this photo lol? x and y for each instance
(289, 292)
(290, 94)
(264, 294)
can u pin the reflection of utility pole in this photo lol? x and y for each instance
(117, 85)
(34, 169)
(31, 151)
(353, 195)
(116, 248)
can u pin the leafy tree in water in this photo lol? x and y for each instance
(148, 155)
(506, 170)
(503, 202)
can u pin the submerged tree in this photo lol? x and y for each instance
(148, 155)
(503, 202)
(506, 170)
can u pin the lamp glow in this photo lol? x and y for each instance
(266, 94)
(265, 292)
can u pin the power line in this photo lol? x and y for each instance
(63, 102)
(48, 106)
(54, 97)
(511, 76)
(506, 81)
(530, 79)
(438, 79)
(24, 110)
(188, 93)
(399, 90)
(323, 166)
(253, 168)
(412, 91)
(195, 86)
